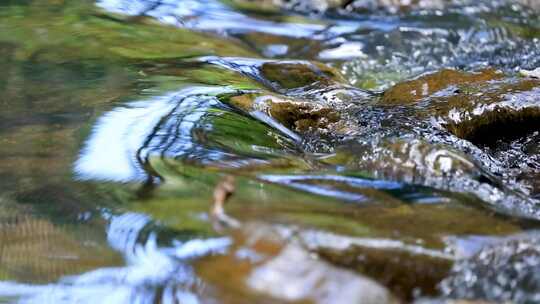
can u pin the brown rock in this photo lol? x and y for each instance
(412, 91)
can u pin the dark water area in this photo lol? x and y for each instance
(378, 151)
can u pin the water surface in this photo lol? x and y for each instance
(119, 118)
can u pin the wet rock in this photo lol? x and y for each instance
(266, 260)
(434, 131)
(302, 80)
(447, 301)
(415, 161)
(307, 97)
(358, 6)
(464, 120)
(412, 91)
(401, 6)
(522, 158)
(507, 271)
(468, 111)
(297, 115)
(439, 166)
(406, 274)
(303, 116)
(407, 270)
(297, 75)
(499, 116)
(294, 275)
(393, 6)
(533, 73)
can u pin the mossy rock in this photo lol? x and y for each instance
(412, 91)
(298, 75)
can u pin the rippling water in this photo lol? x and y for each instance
(119, 118)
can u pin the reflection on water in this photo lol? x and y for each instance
(152, 272)
(177, 125)
(373, 49)
(215, 16)
(122, 131)
(124, 136)
(181, 126)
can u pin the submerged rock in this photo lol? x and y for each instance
(440, 137)
(507, 271)
(299, 74)
(407, 274)
(294, 275)
(266, 260)
(438, 130)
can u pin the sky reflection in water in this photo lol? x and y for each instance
(113, 151)
(215, 16)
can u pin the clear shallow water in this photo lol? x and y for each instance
(115, 130)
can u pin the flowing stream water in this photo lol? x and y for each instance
(381, 151)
